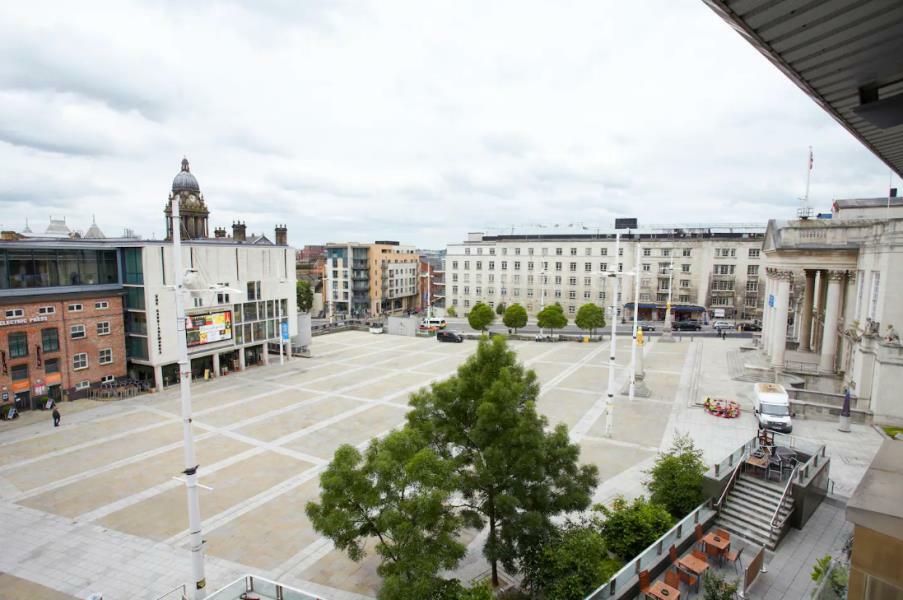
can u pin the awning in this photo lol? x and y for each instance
(686, 308)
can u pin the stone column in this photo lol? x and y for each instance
(158, 377)
(216, 370)
(832, 314)
(266, 353)
(779, 330)
(766, 313)
(241, 359)
(806, 313)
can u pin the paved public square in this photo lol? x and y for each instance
(95, 506)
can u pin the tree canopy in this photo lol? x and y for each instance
(451, 312)
(305, 296)
(480, 316)
(500, 309)
(630, 528)
(398, 492)
(590, 317)
(677, 477)
(551, 317)
(515, 317)
(509, 470)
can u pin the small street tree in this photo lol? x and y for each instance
(515, 317)
(480, 316)
(500, 309)
(510, 471)
(397, 492)
(590, 317)
(551, 317)
(676, 477)
(451, 312)
(305, 296)
(630, 528)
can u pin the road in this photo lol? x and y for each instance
(461, 324)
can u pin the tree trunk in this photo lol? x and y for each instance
(495, 567)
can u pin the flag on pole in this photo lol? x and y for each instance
(811, 160)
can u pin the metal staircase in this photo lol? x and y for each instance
(757, 510)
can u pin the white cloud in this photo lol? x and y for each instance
(415, 121)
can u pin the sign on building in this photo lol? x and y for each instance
(209, 328)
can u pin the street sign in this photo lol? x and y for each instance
(5, 396)
(285, 332)
(771, 300)
(625, 223)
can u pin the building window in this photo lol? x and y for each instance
(603, 252)
(530, 251)
(684, 283)
(75, 308)
(50, 340)
(572, 266)
(103, 328)
(558, 266)
(601, 295)
(588, 267)
(586, 294)
(18, 372)
(752, 286)
(571, 309)
(52, 365)
(18, 345)
(754, 253)
(647, 266)
(686, 252)
(479, 265)
(83, 385)
(558, 280)
(684, 298)
(198, 302)
(572, 281)
(573, 252)
(479, 251)
(647, 252)
(587, 281)
(504, 265)
(517, 252)
(466, 303)
(108, 379)
(253, 290)
(80, 361)
(685, 268)
(466, 250)
(106, 356)
(603, 266)
(15, 313)
(558, 293)
(47, 310)
(558, 252)
(102, 305)
(77, 332)
(620, 251)
(666, 251)
(752, 270)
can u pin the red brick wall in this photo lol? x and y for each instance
(61, 320)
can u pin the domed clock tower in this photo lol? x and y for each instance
(192, 210)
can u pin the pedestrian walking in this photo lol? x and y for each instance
(723, 334)
(56, 417)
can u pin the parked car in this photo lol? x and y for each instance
(446, 335)
(647, 325)
(434, 323)
(719, 325)
(688, 325)
(750, 327)
(771, 404)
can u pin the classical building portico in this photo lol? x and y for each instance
(833, 289)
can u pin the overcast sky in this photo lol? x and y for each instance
(410, 120)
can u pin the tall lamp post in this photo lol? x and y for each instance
(196, 542)
(667, 335)
(609, 409)
(429, 285)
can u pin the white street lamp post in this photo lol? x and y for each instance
(636, 311)
(191, 466)
(609, 410)
(429, 285)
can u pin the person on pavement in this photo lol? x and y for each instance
(56, 417)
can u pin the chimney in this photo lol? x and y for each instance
(219, 232)
(281, 235)
(238, 231)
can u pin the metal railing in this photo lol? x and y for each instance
(260, 585)
(735, 458)
(651, 556)
(775, 526)
(730, 482)
(182, 589)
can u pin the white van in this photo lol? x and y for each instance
(433, 323)
(772, 407)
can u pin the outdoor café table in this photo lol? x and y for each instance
(714, 540)
(759, 465)
(693, 565)
(662, 591)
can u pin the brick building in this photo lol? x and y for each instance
(59, 345)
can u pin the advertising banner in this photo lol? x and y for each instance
(209, 328)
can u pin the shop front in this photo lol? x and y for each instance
(202, 367)
(228, 362)
(253, 355)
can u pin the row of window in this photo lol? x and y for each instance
(16, 313)
(50, 339)
(79, 362)
(557, 279)
(588, 251)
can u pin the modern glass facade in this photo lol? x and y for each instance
(23, 268)
(135, 316)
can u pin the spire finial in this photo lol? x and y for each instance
(185, 164)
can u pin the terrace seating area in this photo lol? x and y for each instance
(125, 387)
(712, 551)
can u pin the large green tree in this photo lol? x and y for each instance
(551, 317)
(515, 317)
(480, 316)
(570, 564)
(511, 472)
(630, 528)
(500, 309)
(398, 493)
(677, 477)
(590, 317)
(305, 295)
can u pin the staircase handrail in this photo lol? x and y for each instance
(730, 482)
(777, 511)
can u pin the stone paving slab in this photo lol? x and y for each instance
(611, 458)
(15, 587)
(299, 418)
(566, 406)
(59, 467)
(92, 492)
(343, 380)
(359, 428)
(385, 387)
(163, 516)
(275, 400)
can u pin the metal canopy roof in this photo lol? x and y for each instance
(846, 54)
